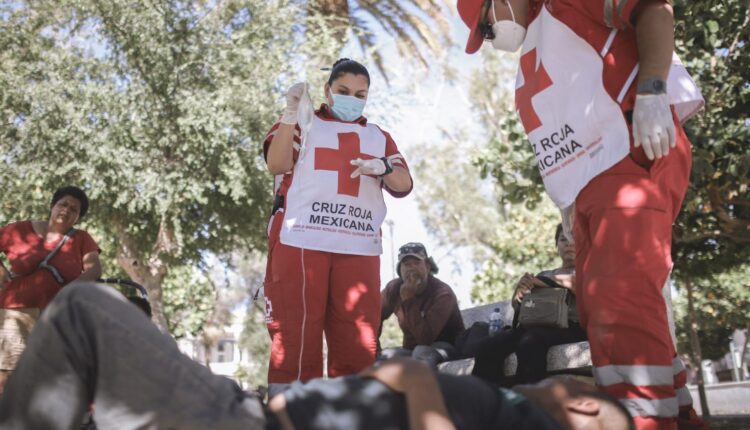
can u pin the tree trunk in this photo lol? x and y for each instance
(156, 299)
(150, 275)
(695, 349)
(207, 345)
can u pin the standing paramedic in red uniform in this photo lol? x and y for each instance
(323, 270)
(601, 97)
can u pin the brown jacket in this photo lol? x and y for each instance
(429, 317)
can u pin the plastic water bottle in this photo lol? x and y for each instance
(496, 322)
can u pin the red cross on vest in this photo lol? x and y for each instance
(535, 80)
(339, 161)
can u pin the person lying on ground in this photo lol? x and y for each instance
(92, 346)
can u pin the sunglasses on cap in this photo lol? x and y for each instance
(412, 248)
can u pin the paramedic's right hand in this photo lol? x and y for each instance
(293, 96)
(524, 285)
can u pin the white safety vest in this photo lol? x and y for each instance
(327, 210)
(575, 128)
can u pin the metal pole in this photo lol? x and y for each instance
(735, 365)
(389, 223)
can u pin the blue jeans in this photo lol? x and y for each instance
(91, 346)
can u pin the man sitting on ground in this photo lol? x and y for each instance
(426, 308)
(90, 345)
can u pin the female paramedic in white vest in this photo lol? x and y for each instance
(323, 269)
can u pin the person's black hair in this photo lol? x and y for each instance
(343, 66)
(74, 192)
(558, 232)
(601, 395)
(141, 304)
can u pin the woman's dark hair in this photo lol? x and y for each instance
(343, 66)
(558, 232)
(74, 192)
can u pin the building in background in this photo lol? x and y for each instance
(224, 357)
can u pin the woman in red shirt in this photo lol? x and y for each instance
(26, 288)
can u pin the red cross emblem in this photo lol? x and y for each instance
(339, 160)
(535, 80)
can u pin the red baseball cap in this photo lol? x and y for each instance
(471, 13)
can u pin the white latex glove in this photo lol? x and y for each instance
(372, 167)
(653, 126)
(293, 96)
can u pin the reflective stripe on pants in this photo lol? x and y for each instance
(623, 237)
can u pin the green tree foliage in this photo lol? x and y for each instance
(188, 300)
(722, 304)
(524, 242)
(419, 28)
(717, 205)
(712, 232)
(158, 110)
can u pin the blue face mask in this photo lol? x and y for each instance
(347, 108)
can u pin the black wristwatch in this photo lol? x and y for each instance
(652, 86)
(388, 165)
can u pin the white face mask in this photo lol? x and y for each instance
(509, 35)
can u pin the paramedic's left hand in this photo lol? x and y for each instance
(653, 126)
(371, 167)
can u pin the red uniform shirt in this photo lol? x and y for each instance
(282, 182)
(25, 249)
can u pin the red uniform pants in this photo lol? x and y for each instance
(312, 293)
(623, 236)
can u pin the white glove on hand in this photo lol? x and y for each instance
(293, 96)
(372, 167)
(653, 126)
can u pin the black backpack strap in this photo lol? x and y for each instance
(549, 281)
(44, 264)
